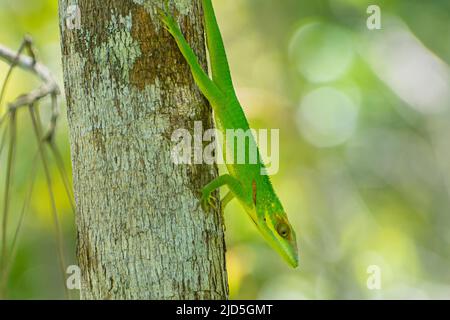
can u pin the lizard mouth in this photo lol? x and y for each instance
(286, 248)
(291, 257)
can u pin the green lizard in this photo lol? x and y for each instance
(246, 182)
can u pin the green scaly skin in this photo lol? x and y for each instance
(245, 181)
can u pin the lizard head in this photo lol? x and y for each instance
(279, 233)
(272, 222)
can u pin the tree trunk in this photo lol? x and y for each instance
(141, 234)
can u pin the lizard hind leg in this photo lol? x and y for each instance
(226, 200)
(207, 200)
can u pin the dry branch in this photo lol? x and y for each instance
(49, 86)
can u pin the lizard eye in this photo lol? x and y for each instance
(283, 229)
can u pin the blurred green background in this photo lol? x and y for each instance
(365, 157)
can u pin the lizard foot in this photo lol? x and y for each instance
(208, 201)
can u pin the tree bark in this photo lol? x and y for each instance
(141, 234)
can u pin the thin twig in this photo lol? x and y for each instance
(13, 63)
(3, 119)
(49, 85)
(59, 238)
(62, 171)
(3, 141)
(25, 206)
(8, 182)
(54, 118)
(27, 63)
(50, 88)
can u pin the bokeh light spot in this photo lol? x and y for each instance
(327, 117)
(321, 52)
(411, 70)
